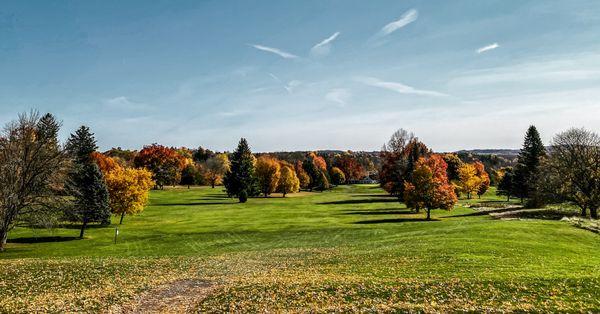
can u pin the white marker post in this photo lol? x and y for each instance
(116, 234)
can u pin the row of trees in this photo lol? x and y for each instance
(567, 171)
(43, 182)
(249, 176)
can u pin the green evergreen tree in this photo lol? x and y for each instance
(81, 145)
(91, 196)
(528, 163)
(86, 182)
(240, 181)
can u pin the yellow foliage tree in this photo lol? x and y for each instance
(288, 181)
(267, 172)
(469, 182)
(128, 190)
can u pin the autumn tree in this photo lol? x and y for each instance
(165, 164)
(316, 168)
(215, 168)
(86, 183)
(483, 176)
(105, 163)
(288, 181)
(268, 173)
(128, 189)
(32, 171)
(428, 187)
(398, 158)
(337, 176)
(351, 168)
(469, 182)
(303, 177)
(240, 180)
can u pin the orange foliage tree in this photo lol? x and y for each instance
(483, 176)
(429, 187)
(268, 172)
(165, 164)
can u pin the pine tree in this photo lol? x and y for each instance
(91, 196)
(528, 163)
(81, 145)
(86, 182)
(240, 180)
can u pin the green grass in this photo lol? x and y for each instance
(352, 248)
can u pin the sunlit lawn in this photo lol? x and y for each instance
(352, 248)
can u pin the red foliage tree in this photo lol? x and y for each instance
(165, 164)
(352, 169)
(429, 187)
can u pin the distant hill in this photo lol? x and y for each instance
(499, 152)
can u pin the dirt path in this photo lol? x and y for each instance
(176, 297)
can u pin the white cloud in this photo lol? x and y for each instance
(338, 95)
(123, 103)
(583, 68)
(406, 18)
(324, 47)
(398, 87)
(279, 52)
(488, 48)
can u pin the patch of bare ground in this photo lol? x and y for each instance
(180, 296)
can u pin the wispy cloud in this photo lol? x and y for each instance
(398, 87)
(324, 47)
(406, 18)
(488, 48)
(124, 103)
(289, 86)
(279, 52)
(338, 95)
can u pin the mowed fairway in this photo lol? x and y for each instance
(349, 249)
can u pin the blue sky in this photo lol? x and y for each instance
(301, 75)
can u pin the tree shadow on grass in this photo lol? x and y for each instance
(30, 240)
(394, 220)
(481, 213)
(375, 195)
(376, 212)
(78, 226)
(363, 201)
(195, 204)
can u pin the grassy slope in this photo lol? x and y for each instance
(350, 248)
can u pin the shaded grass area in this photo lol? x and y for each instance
(351, 248)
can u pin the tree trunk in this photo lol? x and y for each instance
(82, 231)
(583, 212)
(428, 214)
(122, 216)
(212, 184)
(594, 213)
(508, 198)
(3, 238)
